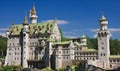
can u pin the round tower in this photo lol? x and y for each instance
(84, 42)
(103, 43)
(25, 25)
(24, 49)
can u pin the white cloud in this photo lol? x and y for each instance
(61, 22)
(94, 30)
(110, 29)
(3, 29)
(3, 34)
(70, 34)
(95, 36)
(114, 29)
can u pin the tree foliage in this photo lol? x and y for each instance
(62, 37)
(115, 46)
(92, 43)
(3, 46)
(11, 68)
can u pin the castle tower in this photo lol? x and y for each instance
(103, 43)
(25, 53)
(84, 42)
(33, 16)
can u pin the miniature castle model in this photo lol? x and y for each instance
(39, 45)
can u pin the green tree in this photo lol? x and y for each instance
(115, 46)
(62, 37)
(3, 46)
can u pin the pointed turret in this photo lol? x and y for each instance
(103, 23)
(33, 10)
(25, 22)
(103, 18)
(33, 16)
(25, 25)
(103, 42)
(83, 36)
(83, 39)
(84, 42)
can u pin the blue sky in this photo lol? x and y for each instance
(77, 16)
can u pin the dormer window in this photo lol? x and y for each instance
(47, 24)
(13, 26)
(42, 26)
(39, 27)
(51, 25)
(33, 27)
(17, 29)
(16, 26)
(47, 28)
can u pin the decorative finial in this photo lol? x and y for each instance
(33, 10)
(33, 4)
(55, 20)
(13, 22)
(103, 17)
(102, 13)
(83, 36)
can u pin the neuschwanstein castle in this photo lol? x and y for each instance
(39, 45)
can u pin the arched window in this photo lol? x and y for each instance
(105, 34)
(110, 66)
(98, 34)
(102, 34)
(104, 54)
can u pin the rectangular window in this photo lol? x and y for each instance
(9, 53)
(59, 51)
(66, 57)
(17, 43)
(64, 52)
(9, 48)
(10, 44)
(15, 53)
(13, 44)
(67, 51)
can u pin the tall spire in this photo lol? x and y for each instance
(33, 10)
